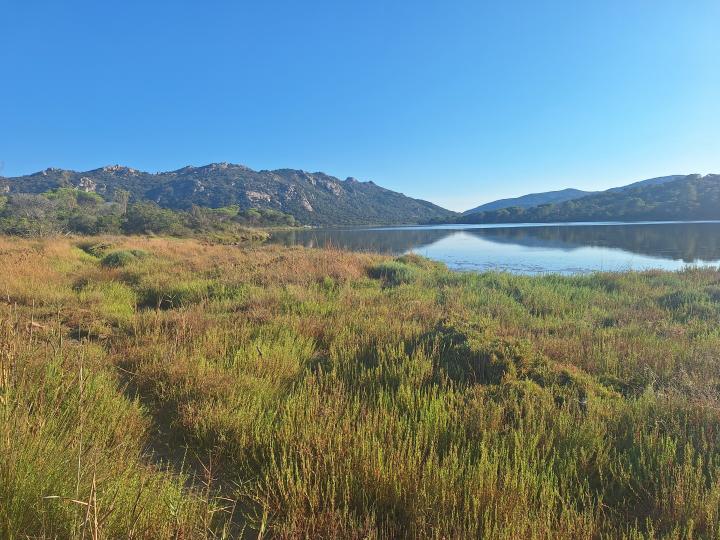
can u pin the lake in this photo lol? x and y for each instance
(566, 248)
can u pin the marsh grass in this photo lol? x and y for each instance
(205, 391)
(121, 258)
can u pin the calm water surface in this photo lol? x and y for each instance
(534, 248)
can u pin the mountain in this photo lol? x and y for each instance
(692, 197)
(555, 197)
(313, 198)
(649, 182)
(533, 199)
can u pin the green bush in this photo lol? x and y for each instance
(681, 299)
(149, 218)
(394, 273)
(95, 249)
(163, 295)
(118, 259)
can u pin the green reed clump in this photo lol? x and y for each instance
(394, 273)
(95, 249)
(74, 463)
(121, 258)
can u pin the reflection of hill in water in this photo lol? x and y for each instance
(393, 241)
(686, 241)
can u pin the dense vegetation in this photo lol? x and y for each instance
(71, 210)
(532, 199)
(312, 198)
(692, 197)
(154, 388)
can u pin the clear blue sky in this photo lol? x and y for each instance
(458, 102)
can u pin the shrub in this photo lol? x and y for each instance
(681, 299)
(164, 295)
(118, 259)
(149, 218)
(713, 293)
(95, 249)
(686, 304)
(394, 273)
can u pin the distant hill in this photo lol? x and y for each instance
(312, 198)
(649, 182)
(555, 197)
(533, 199)
(692, 197)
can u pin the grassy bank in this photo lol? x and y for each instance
(156, 388)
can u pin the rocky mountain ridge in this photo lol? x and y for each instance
(313, 198)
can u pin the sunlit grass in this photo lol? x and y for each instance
(198, 390)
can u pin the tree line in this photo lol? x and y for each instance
(689, 198)
(74, 211)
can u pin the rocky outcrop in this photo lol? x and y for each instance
(313, 198)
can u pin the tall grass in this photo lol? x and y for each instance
(202, 391)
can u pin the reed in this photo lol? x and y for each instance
(203, 391)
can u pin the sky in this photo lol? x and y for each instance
(456, 102)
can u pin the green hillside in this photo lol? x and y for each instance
(692, 197)
(311, 198)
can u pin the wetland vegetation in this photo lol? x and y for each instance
(173, 388)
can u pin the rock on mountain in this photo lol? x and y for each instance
(313, 198)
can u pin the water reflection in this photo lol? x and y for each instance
(533, 248)
(689, 242)
(391, 240)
